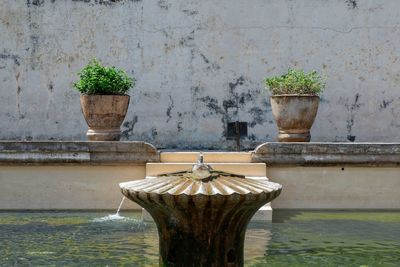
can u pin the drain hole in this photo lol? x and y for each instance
(236, 130)
(171, 258)
(231, 256)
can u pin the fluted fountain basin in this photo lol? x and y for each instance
(201, 219)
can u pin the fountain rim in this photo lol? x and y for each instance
(204, 195)
(202, 179)
(124, 186)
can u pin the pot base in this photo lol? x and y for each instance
(113, 134)
(294, 137)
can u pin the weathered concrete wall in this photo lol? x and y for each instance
(199, 65)
(84, 186)
(65, 187)
(337, 187)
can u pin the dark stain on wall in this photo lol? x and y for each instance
(34, 39)
(187, 41)
(84, 1)
(179, 124)
(154, 133)
(35, 2)
(206, 60)
(163, 4)
(194, 90)
(33, 33)
(39, 3)
(258, 116)
(234, 99)
(351, 138)
(233, 85)
(170, 107)
(211, 104)
(214, 107)
(19, 89)
(50, 87)
(230, 104)
(190, 12)
(129, 125)
(385, 104)
(352, 109)
(16, 59)
(352, 4)
(210, 65)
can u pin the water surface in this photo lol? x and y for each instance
(295, 238)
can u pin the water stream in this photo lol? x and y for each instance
(112, 217)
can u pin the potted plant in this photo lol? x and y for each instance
(104, 99)
(294, 101)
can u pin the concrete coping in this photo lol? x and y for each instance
(132, 152)
(70, 152)
(325, 154)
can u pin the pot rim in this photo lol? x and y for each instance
(103, 95)
(294, 95)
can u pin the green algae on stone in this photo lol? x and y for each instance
(376, 216)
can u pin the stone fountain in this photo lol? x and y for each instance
(201, 214)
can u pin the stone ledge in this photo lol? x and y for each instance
(64, 152)
(326, 154)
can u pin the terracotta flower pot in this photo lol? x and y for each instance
(294, 116)
(104, 115)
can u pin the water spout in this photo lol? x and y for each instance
(201, 170)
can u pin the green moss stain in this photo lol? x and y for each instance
(354, 216)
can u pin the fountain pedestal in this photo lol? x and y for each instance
(201, 215)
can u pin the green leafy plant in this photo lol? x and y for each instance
(96, 79)
(296, 82)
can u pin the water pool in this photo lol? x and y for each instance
(295, 238)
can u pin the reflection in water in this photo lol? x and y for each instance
(334, 238)
(293, 239)
(258, 235)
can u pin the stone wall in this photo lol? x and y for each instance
(200, 65)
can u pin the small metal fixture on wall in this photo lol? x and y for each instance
(235, 131)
